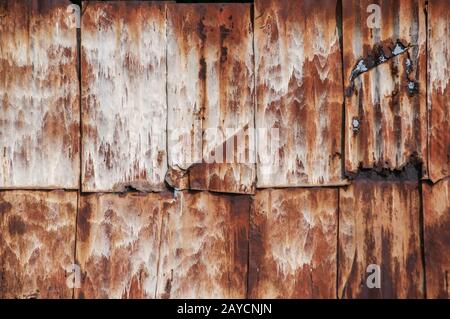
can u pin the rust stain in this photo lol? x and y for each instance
(39, 109)
(439, 88)
(293, 243)
(118, 244)
(204, 247)
(436, 202)
(298, 93)
(388, 101)
(37, 241)
(213, 44)
(379, 224)
(123, 48)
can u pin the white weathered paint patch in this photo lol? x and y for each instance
(298, 93)
(39, 110)
(124, 97)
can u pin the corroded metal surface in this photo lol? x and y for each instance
(385, 79)
(379, 224)
(192, 246)
(39, 109)
(436, 203)
(118, 244)
(298, 93)
(37, 243)
(293, 241)
(210, 95)
(439, 88)
(124, 96)
(204, 247)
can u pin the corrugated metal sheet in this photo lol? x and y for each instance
(385, 76)
(37, 243)
(293, 242)
(204, 247)
(379, 224)
(39, 109)
(210, 96)
(298, 93)
(118, 244)
(436, 202)
(124, 112)
(439, 88)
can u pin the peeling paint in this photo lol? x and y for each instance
(375, 59)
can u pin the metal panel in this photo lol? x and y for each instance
(204, 247)
(37, 243)
(293, 242)
(299, 93)
(210, 96)
(379, 225)
(385, 76)
(118, 244)
(124, 96)
(439, 88)
(436, 202)
(39, 101)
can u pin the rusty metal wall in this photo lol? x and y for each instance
(360, 177)
(39, 108)
(385, 80)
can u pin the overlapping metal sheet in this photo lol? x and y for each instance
(204, 247)
(39, 108)
(385, 79)
(298, 93)
(436, 203)
(123, 69)
(293, 240)
(37, 243)
(211, 97)
(379, 234)
(192, 245)
(438, 88)
(118, 244)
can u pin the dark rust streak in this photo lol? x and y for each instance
(411, 171)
